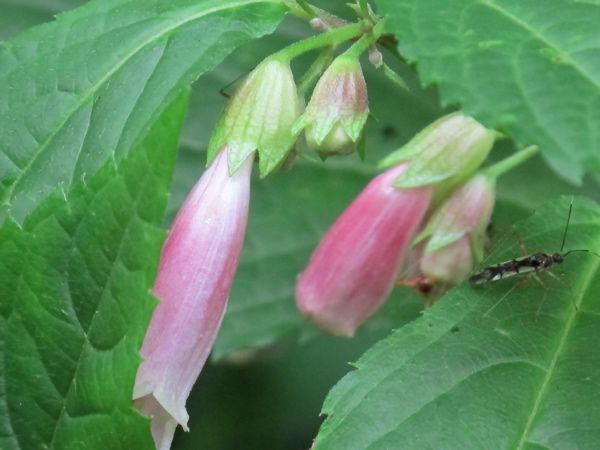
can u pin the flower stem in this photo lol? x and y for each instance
(507, 164)
(331, 38)
(306, 7)
(364, 7)
(365, 41)
(316, 69)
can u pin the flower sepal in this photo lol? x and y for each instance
(446, 153)
(259, 117)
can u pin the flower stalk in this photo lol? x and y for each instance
(507, 164)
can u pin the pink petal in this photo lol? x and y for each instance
(353, 269)
(197, 265)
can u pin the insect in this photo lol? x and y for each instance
(532, 263)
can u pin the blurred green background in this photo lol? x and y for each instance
(270, 398)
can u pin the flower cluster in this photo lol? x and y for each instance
(428, 202)
(356, 264)
(200, 255)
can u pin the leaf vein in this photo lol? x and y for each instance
(595, 265)
(89, 93)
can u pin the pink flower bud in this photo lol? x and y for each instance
(338, 109)
(353, 269)
(197, 265)
(451, 264)
(456, 232)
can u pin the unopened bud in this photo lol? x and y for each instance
(455, 234)
(375, 57)
(337, 110)
(318, 24)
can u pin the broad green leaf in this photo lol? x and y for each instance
(83, 89)
(17, 15)
(528, 68)
(513, 364)
(75, 279)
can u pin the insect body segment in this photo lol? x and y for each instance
(532, 263)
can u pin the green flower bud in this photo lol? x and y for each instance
(447, 152)
(338, 109)
(259, 117)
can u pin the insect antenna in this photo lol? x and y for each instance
(562, 246)
(581, 250)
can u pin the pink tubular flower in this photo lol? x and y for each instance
(353, 269)
(197, 265)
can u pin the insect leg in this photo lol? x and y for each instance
(537, 278)
(565, 282)
(506, 294)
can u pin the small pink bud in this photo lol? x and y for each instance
(456, 232)
(375, 57)
(318, 24)
(337, 110)
(353, 269)
(451, 264)
(197, 265)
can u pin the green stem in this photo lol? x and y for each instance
(331, 38)
(299, 10)
(315, 70)
(360, 46)
(507, 164)
(364, 7)
(306, 8)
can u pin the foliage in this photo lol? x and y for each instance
(86, 158)
(515, 66)
(507, 365)
(75, 280)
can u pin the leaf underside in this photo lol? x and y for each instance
(75, 279)
(527, 68)
(513, 364)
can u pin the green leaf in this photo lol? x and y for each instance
(75, 279)
(511, 364)
(524, 67)
(17, 15)
(83, 89)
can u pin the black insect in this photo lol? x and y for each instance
(532, 263)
